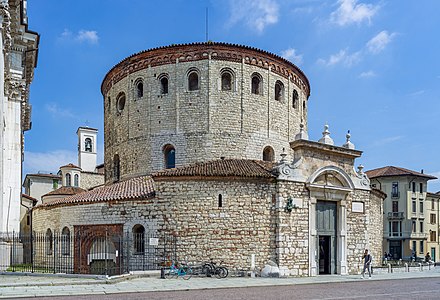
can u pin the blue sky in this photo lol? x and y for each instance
(373, 66)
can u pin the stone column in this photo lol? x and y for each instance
(313, 254)
(342, 238)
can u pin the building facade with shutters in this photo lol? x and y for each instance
(208, 142)
(407, 211)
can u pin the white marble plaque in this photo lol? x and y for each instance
(357, 207)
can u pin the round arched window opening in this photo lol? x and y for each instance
(295, 99)
(120, 102)
(139, 89)
(193, 81)
(279, 90)
(116, 168)
(256, 84)
(226, 81)
(164, 85)
(268, 154)
(139, 239)
(169, 156)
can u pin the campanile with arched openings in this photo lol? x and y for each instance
(87, 149)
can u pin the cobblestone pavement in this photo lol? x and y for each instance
(14, 286)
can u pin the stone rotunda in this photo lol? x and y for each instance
(208, 143)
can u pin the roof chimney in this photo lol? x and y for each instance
(421, 171)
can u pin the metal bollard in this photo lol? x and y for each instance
(406, 267)
(421, 267)
(162, 273)
(390, 270)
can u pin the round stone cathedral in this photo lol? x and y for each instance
(180, 104)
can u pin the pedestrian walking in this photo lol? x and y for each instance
(367, 264)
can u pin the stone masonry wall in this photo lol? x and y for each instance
(202, 125)
(244, 225)
(293, 228)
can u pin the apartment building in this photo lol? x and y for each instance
(407, 211)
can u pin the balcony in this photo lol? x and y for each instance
(419, 235)
(395, 215)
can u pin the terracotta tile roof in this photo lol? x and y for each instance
(70, 165)
(66, 190)
(222, 168)
(134, 188)
(29, 197)
(395, 171)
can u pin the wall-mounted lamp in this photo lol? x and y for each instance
(290, 205)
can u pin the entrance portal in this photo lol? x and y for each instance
(326, 230)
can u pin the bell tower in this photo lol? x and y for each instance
(87, 148)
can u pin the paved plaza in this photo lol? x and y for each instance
(16, 286)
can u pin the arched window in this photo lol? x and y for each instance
(226, 81)
(76, 180)
(68, 179)
(164, 85)
(279, 90)
(193, 81)
(116, 168)
(268, 154)
(139, 239)
(256, 84)
(295, 100)
(304, 105)
(139, 88)
(169, 156)
(120, 102)
(88, 145)
(220, 200)
(49, 242)
(65, 241)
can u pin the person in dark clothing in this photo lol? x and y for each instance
(367, 264)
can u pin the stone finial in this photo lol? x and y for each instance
(283, 156)
(360, 169)
(348, 144)
(302, 135)
(326, 139)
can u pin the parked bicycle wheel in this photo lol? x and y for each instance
(170, 273)
(207, 270)
(186, 272)
(221, 272)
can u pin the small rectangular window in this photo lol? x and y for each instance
(220, 200)
(413, 226)
(413, 187)
(395, 190)
(433, 219)
(422, 250)
(421, 207)
(421, 227)
(421, 187)
(414, 246)
(414, 206)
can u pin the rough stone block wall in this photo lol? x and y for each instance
(202, 125)
(90, 180)
(364, 230)
(244, 225)
(293, 229)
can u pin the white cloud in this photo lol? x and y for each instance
(57, 111)
(367, 74)
(290, 54)
(379, 42)
(350, 12)
(90, 36)
(47, 161)
(82, 36)
(342, 57)
(256, 14)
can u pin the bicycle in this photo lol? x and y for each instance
(182, 270)
(211, 268)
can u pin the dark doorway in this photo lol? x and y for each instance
(326, 216)
(395, 249)
(324, 255)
